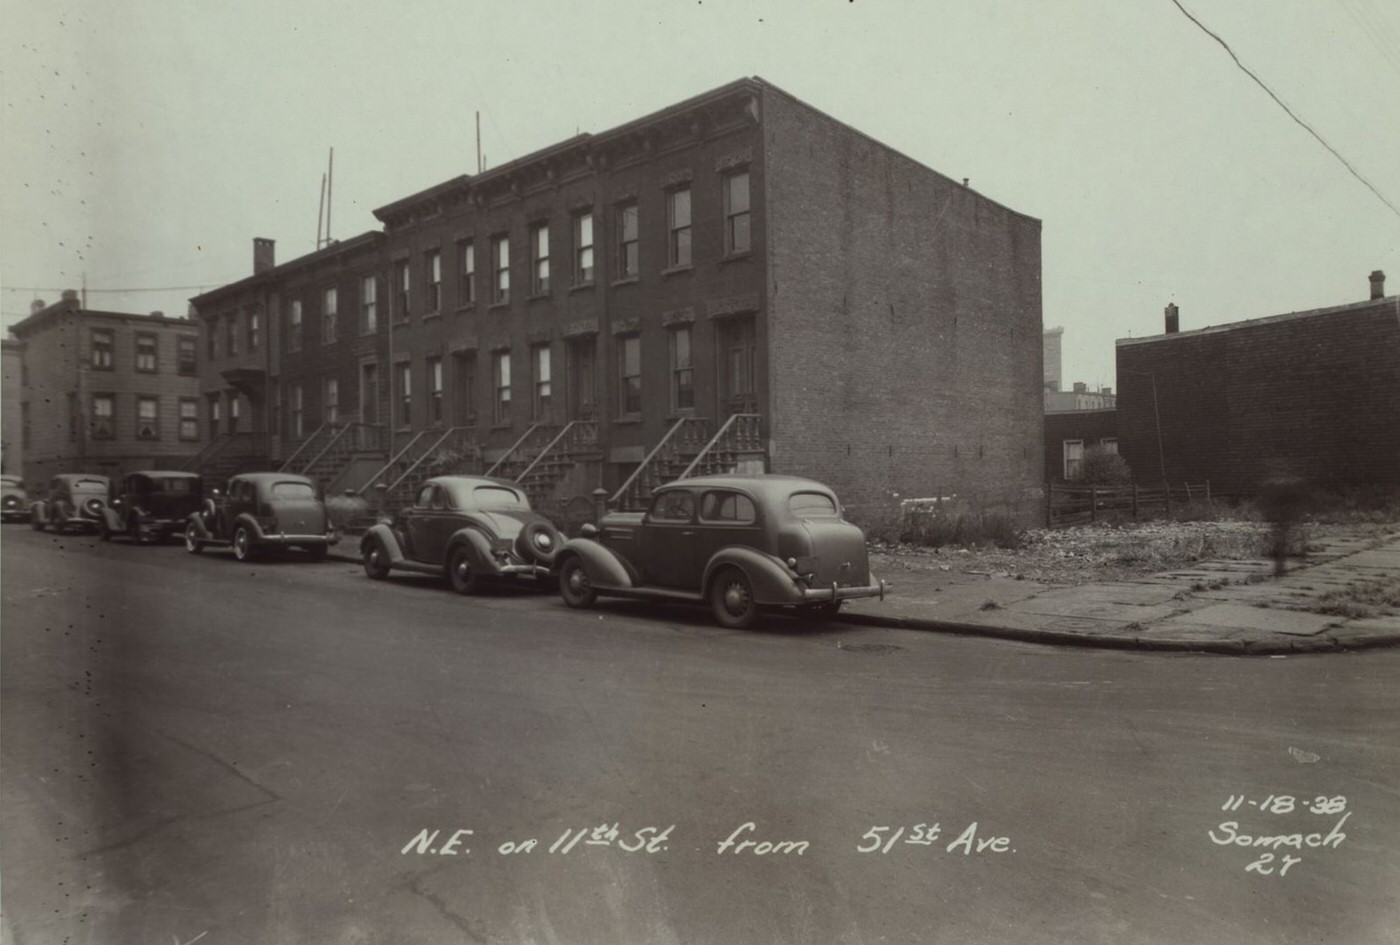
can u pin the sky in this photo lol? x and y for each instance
(147, 142)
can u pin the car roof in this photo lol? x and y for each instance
(758, 484)
(164, 474)
(74, 477)
(473, 482)
(263, 477)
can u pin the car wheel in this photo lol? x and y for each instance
(376, 561)
(731, 599)
(192, 543)
(242, 543)
(574, 585)
(459, 571)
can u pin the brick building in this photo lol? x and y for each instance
(1313, 394)
(737, 281)
(1069, 433)
(106, 392)
(11, 397)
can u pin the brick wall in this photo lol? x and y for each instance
(904, 319)
(12, 424)
(1091, 427)
(1315, 394)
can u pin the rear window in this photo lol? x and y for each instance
(89, 485)
(293, 490)
(811, 505)
(174, 486)
(494, 497)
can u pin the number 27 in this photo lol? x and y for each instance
(1263, 864)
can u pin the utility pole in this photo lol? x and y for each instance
(321, 211)
(478, 141)
(330, 194)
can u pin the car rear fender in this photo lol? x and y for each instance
(603, 567)
(383, 534)
(248, 522)
(771, 580)
(478, 546)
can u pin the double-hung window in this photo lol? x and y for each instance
(736, 213)
(628, 251)
(678, 228)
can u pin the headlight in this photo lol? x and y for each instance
(94, 506)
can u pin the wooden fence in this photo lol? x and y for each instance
(1074, 505)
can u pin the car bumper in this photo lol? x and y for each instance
(280, 538)
(833, 592)
(537, 571)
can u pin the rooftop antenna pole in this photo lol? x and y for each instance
(320, 211)
(84, 288)
(330, 194)
(478, 141)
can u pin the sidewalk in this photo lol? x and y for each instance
(1235, 607)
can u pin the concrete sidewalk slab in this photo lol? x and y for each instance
(1243, 617)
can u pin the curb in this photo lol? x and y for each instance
(1291, 647)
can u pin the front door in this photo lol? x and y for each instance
(738, 366)
(667, 555)
(369, 392)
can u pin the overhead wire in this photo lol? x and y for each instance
(1281, 104)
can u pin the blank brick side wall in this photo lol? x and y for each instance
(904, 314)
(1316, 396)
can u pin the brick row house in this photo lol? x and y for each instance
(735, 282)
(106, 392)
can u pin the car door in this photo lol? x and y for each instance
(667, 541)
(241, 497)
(417, 525)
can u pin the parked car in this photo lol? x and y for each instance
(739, 542)
(259, 511)
(14, 501)
(75, 501)
(150, 506)
(471, 529)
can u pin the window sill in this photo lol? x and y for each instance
(498, 306)
(582, 286)
(626, 280)
(469, 307)
(676, 270)
(538, 297)
(427, 316)
(735, 257)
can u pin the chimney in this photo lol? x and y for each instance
(157, 314)
(1105, 390)
(1377, 285)
(1173, 320)
(70, 295)
(1080, 387)
(37, 306)
(264, 254)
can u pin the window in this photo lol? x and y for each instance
(500, 383)
(736, 213)
(432, 272)
(104, 409)
(629, 365)
(678, 225)
(1109, 445)
(295, 405)
(231, 335)
(329, 302)
(369, 305)
(500, 260)
(682, 370)
(235, 410)
(254, 329)
(539, 253)
(627, 258)
(583, 248)
(274, 417)
(24, 424)
(189, 418)
(369, 392)
(466, 273)
(330, 403)
(147, 418)
(583, 378)
(464, 379)
(401, 290)
(434, 390)
(811, 505)
(215, 408)
(677, 506)
(186, 355)
(102, 344)
(1074, 458)
(213, 339)
(543, 395)
(146, 353)
(403, 389)
(728, 507)
(75, 417)
(294, 326)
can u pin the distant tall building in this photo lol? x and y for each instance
(105, 392)
(1052, 341)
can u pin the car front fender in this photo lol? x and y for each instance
(111, 519)
(201, 527)
(772, 582)
(387, 540)
(604, 567)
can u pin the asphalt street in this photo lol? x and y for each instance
(287, 752)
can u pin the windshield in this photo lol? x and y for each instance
(293, 490)
(496, 497)
(173, 486)
(88, 485)
(811, 505)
